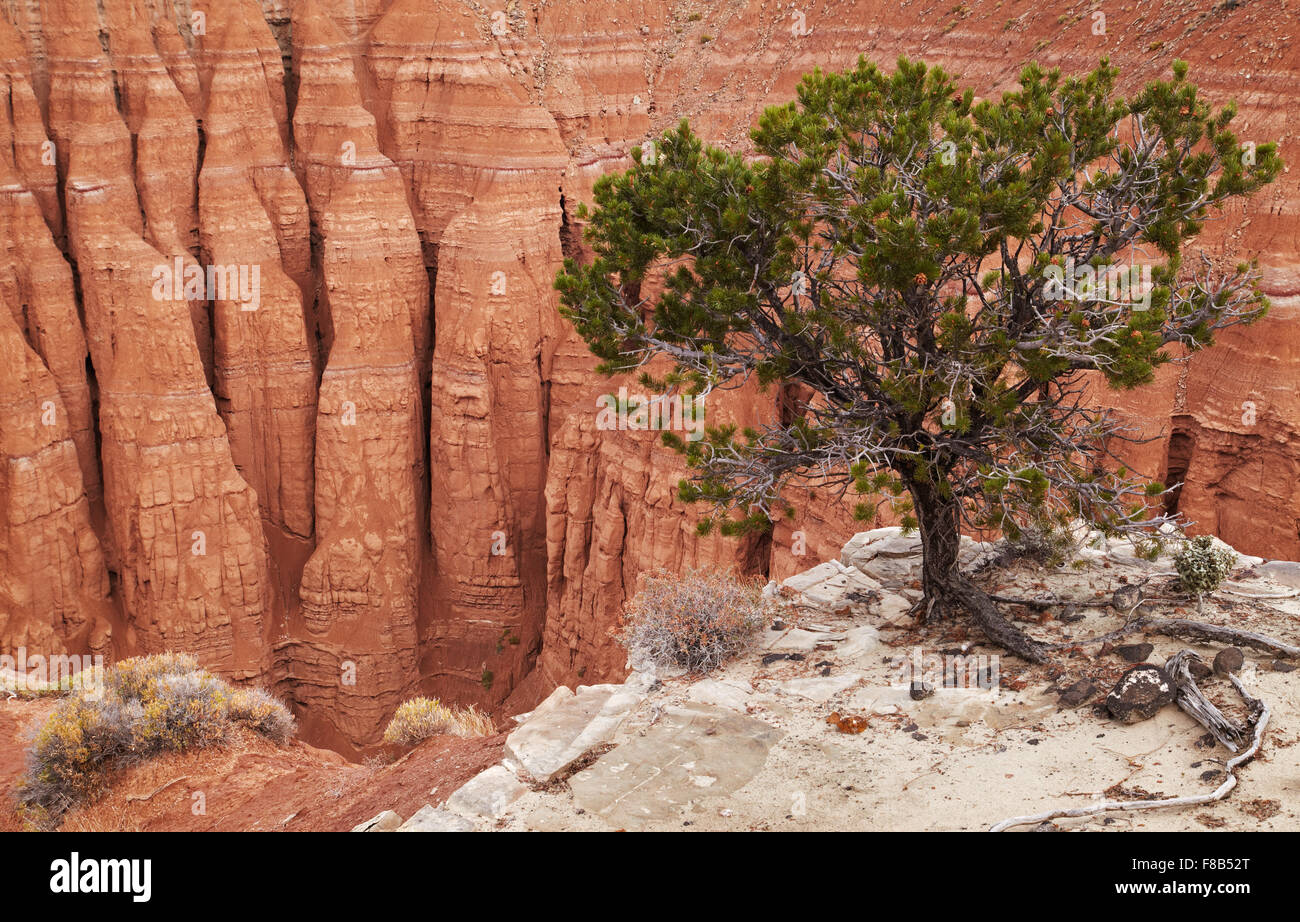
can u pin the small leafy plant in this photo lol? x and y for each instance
(1202, 567)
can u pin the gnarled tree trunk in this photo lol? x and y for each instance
(946, 590)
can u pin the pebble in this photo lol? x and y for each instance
(1228, 660)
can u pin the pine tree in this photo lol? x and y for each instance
(947, 281)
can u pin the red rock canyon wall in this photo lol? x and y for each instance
(358, 457)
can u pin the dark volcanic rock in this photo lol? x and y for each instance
(1140, 693)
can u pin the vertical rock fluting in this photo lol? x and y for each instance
(183, 528)
(33, 273)
(489, 219)
(53, 583)
(184, 524)
(27, 148)
(111, 97)
(446, 144)
(161, 123)
(265, 377)
(54, 590)
(353, 648)
(489, 440)
(56, 585)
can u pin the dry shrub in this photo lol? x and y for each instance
(68, 756)
(421, 718)
(261, 713)
(181, 712)
(136, 678)
(698, 619)
(148, 705)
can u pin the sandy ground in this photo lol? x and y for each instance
(966, 758)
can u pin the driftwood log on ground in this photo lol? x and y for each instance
(1192, 630)
(1200, 708)
(1200, 630)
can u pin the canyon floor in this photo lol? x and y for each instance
(758, 744)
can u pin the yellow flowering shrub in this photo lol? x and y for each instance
(148, 705)
(421, 718)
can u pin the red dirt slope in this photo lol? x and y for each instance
(251, 784)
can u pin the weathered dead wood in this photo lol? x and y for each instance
(1265, 596)
(1200, 708)
(1191, 630)
(1200, 630)
(155, 791)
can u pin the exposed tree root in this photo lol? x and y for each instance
(1038, 604)
(1003, 633)
(1191, 630)
(1259, 717)
(1199, 630)
(996, 628)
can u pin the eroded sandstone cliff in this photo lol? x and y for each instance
(378, 469)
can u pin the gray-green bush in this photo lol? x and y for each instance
(147, 706)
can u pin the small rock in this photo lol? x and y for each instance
(1140, 693)
(1126, 598)
(1135, 652)
(1278, 666)
(778, 625)
(848, 723)
(920, 690)
(1228, 660)
(1199, 669)
(383, 822)
(1076, 694)
(435, 819)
